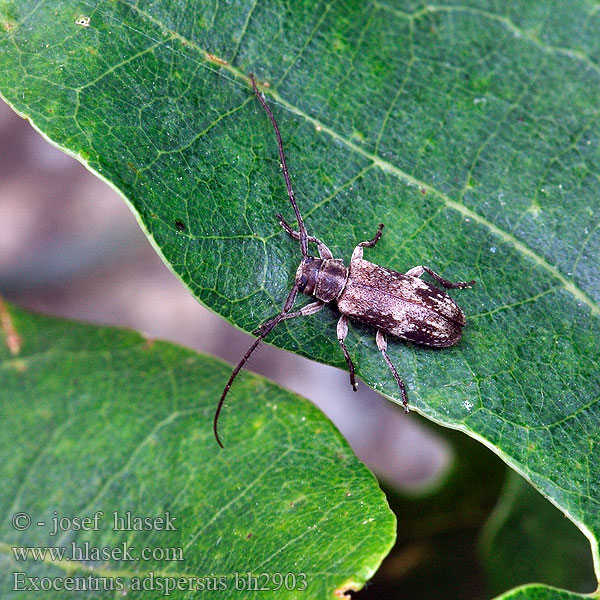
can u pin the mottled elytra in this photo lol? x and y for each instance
(400, 304)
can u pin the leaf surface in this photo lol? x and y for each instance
(540, 592)
(516, 548)
(101, 419)
(470, 129)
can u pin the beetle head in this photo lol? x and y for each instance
(307, 273)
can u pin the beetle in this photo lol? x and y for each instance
(399, 304)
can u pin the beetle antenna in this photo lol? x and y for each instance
(268, 328)
(286, 175)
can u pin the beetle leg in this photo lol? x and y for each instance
(342, 332)
(324, 251)
(358, 251)
(418, 271)
(309, 309)
(382, 345)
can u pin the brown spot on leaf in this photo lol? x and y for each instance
(216, 59)
(344, 589)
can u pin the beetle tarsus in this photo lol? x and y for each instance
(324, 251)
(370, 243)
(418, 271)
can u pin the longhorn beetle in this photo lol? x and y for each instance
(400, 304)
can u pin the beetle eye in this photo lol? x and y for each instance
(303, 282)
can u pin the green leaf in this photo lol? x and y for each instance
(97, 418)
(469, 129)
(540, 592)
(517, 549)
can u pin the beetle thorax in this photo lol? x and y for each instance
(323, 278)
